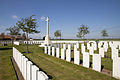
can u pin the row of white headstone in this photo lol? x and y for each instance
(86, 56)
(28, 70)
(96, 58)
(33, 42)
(60, 42)
(103, 47)
(16, 42)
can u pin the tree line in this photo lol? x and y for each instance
(82, 31)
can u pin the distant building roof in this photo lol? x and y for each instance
(7, 37)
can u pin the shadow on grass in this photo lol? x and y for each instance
(90, 64)
(5, 48)
(102, 67)
(26, 52)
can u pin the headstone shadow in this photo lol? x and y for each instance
(5, 48)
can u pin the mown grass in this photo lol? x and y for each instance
(58, 69)
(106, 61)
(6, 68)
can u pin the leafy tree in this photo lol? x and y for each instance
(82, 31)
(2, 36)
(13, 31)
(28, 25)
(57, 33)
(23, 36)
(104, 33)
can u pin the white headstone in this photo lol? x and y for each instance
(25, 68)
(116, 68)
(103, 44)
(57, 52)
(42, 76)
(68, 55)
(69, 46)
(106, 46)
(91, 50)
(53, 51)
(97, 62)
(86, 60)
(23, 65)
(75, 49)
(45, 49)
(34, 72)
(48, 50)
(64, 46)
(62, 53)
(16, 43)
(114, 53)
(82, 48)
(101, 52)
(29, 70)
(21, 62)
(77, 57)
(77, 45)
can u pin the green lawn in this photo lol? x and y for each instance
(106, 62)
(58, 69)
(6, 69)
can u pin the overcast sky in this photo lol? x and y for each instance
(65, 15)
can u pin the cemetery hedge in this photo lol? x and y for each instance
(58, 69)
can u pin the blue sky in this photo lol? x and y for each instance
(65, 15)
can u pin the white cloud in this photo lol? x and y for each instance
(43, 18)
(14, 17)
